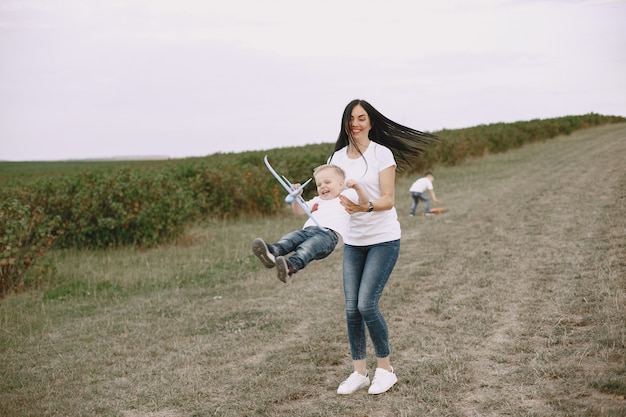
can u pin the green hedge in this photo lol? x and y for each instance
(461, 144)
(25, 238)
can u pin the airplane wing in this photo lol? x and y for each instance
(293, 193)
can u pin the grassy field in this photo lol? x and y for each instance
(512, 303)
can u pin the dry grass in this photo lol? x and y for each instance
(512, 303)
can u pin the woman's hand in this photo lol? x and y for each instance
(350, 206)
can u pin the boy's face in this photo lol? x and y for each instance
(329, 184)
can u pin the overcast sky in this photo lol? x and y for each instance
(110, 78)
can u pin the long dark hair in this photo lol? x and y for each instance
(405, 143)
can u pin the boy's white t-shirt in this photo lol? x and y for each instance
(421, 185)
(330, 213)
(374, 227)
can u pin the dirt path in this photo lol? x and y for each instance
(517, 244)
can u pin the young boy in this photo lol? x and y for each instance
(418, 192)
(313, 242)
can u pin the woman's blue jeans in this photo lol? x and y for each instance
(366, 270)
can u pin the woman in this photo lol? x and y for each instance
(367, 149)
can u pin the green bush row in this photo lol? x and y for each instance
(26, 236)
(461, 144)
(100, 206)
(126, 207)
(146, 207)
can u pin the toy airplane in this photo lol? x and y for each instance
(293, 193)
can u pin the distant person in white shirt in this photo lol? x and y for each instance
(418, 192)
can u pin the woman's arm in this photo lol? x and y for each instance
(387, 178)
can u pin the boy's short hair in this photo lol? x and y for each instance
(427, 173)
(340, 172)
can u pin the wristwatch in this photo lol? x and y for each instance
(370, 208)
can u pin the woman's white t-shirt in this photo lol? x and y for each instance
(377, 226)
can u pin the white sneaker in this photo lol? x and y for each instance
(354, 382)
(383, 380)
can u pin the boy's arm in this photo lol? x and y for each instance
(432, 194)
(296, 207)
(364, 198)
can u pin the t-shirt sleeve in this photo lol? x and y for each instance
(335, 158)
(385, 158)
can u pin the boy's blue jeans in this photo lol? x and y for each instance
(366, 270)
(416, 199)
(308, 244)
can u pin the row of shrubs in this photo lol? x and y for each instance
(461, 144)
(103, 208)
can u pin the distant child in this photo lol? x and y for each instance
(418, 192)
(313, 242)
